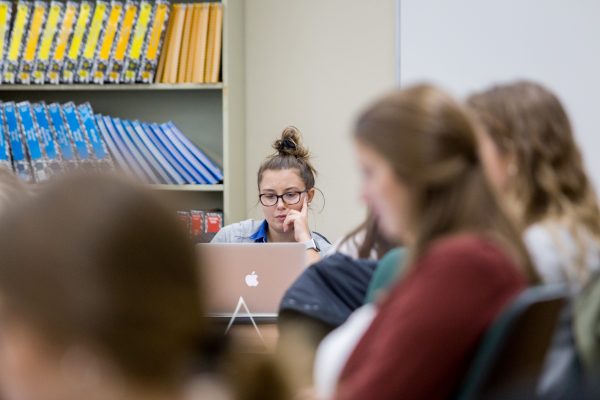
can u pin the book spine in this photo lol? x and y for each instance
(154, 42)
(15, 48)
(101, 63)
(5, 22)
(59, 51)
(55, 14)
(79, 33)
(117, 60)
(27, 62)
(21, 164)
(136, 46)
(84, 72)
(62, 136)
(4, 149)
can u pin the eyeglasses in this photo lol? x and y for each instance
(289, 198)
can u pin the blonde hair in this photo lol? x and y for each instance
(527, 121)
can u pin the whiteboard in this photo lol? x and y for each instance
(466, 45)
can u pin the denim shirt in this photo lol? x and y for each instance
(252, 231)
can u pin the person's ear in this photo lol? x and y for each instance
(310, 194)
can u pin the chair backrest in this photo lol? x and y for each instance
(512, 353)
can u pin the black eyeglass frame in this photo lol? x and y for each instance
(260, 196)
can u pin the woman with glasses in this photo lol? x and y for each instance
(286, 187)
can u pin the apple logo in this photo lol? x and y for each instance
(252, 279)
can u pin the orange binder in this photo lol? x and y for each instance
(172, 60)
(185, 44)
(189, 66)
(213, 54)
(159, 77)
(200, 47)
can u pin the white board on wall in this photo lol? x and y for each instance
(466, 45)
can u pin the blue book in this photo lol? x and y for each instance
(48, 143)
(62, 135)
(185, 153)
(40, 167)
(134, 152)
(125, 157)
(158, 159)
(199, 154)
(75, 131)
(86, 117)
(189, 179)
(112, 147)
(20, 163)
(143, 150)
(175, 154)
(4, 149)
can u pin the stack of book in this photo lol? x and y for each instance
(192, 51)
(108, 41)
(39, 141)
(157, 153)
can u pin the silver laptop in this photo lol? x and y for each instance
(249, 279)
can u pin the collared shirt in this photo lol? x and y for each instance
(252, 231)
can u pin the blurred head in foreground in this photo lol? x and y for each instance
(98, 295)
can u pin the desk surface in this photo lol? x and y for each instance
(247, 339)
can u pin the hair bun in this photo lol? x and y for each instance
(290, 144)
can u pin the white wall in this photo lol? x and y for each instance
(468, 44)
(313, 64)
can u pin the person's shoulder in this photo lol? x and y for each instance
(466, 252)
(238, 231)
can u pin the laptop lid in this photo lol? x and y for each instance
(255, 274)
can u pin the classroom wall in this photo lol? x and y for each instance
(313, 64)
(467, 44)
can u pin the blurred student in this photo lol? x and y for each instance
(286, 186)
(99, 297)
(531, 157)
(422, 178)
(325, 295)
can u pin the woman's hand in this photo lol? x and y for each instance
(298, 221)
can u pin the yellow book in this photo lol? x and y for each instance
(43, 56)
(201, 48)
(172, 58)
(134, 55)
(117, 61)
(84, 72)
(185, 44)
(5, 20)
(38, 17)
(62, 41)
(154, 42)
(213, 53)
(108, 39)
(81, 27)
(11, 64)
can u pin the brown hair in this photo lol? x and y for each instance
(429, 141)
(290, 154)
(372, 241)
(527, 121)
(98, 261)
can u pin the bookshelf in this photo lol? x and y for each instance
(210, 115)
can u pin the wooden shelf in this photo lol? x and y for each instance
(109, 87)
(190, 188)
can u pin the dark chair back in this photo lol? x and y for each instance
(512, 353)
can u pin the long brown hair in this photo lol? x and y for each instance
(429, 141)
(527, 121)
